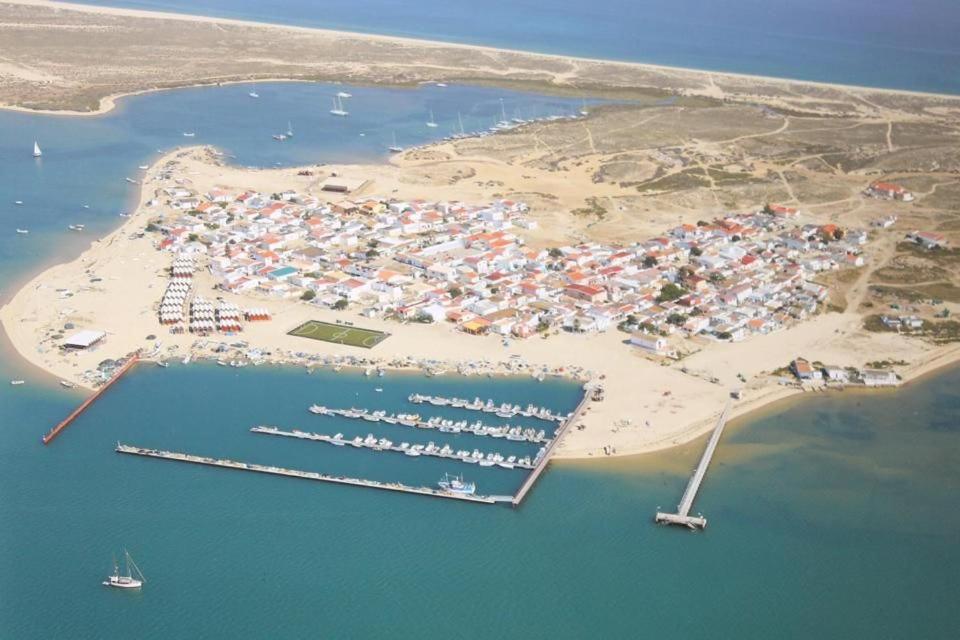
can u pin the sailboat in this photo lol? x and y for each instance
(289, 129)
(504, 123)
(463, 134)
(283, 136)
(36, 150)
(126, 581)
(254, 94)
(338, 107)
(583, 108)
(394, 148)
(431, 122)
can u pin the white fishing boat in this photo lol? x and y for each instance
(36, 150)
(442, 85)
(189, 134)
(431, 122)
(338, 109)
(19, 203)
(143, 167)
(23, 231)
(125, 581)
(254, 94)
(17, 382)
(67, 384)
(280, 137)
(455, 484)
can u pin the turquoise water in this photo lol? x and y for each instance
(833, 518)
(881, 43)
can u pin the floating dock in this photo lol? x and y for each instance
(386, 445)
(53, 433)
(682, 516)
(307, 475)
(504, 410)
(525, 434)
(548, 452)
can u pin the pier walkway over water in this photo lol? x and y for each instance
(63, 424)
(307, 475)
(381, 445)
(548, 452)
(682, 516)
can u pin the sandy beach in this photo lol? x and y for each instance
(98, 55)
(116, 284)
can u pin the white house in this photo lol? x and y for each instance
(655, 344)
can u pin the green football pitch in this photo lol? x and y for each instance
(339, 334)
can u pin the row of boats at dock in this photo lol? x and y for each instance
(449, 486)
(414, 450)
(504, 410)
(444, 425)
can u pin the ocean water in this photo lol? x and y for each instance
(879, 43)
(834, 517)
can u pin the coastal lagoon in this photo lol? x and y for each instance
(878, 43)
(832, 517)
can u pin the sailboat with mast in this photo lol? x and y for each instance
(431, 122)
(338, 109)
(126, 580)
(394, 148)
(36, 149)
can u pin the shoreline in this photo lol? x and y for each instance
(108, 102)
(684, 417)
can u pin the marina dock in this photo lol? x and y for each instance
(504, 410)
(307, 475)
(508, 432)
(63, 424)
(430, 450)
(548, 452)
(682, 516)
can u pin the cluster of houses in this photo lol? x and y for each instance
(805, 371)
(887, 191)
(468, 265)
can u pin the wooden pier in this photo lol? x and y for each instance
(548, 452)
(307, 475)
(63, 424)
(682, 516)
(376, 446)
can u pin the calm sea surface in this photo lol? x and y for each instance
(882, 43)
(834, 518)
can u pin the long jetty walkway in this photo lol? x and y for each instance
(508, 432)
(307, 475)
(387, 445)
(63, 424)
(548, 452)
(682, 516)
